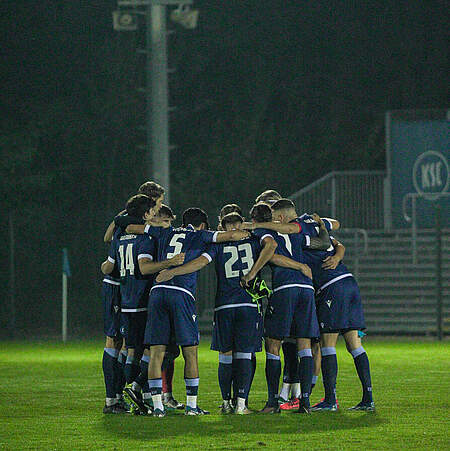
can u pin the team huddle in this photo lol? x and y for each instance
(149, 293)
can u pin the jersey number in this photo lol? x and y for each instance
(247, 258)
(126, 261)
(176, 244)
(287, 241)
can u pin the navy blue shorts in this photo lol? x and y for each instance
(111, 309)
(339, 307)
(133, 328)
(237, 329)
(291, 312)
(172, 318)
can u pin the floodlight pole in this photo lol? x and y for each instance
(157, 96)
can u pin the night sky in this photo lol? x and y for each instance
(269, 94)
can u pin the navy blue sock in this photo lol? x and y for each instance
(142, 377)
(363, 368)
(131, 369)
(225, 374)
(273, 372)
(290, 370)
(109, 364)
(329, 373)
(252, 375)
(233, 379)
(120, 372)
(243, 372)
(305, 374)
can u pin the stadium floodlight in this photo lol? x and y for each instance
(185, 16)
(124, 20)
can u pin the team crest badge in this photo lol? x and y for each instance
(329, 303)
(194, 316)
(116, 308)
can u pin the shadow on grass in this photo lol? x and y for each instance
(149, 428)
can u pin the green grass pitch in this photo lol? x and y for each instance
(52, 397)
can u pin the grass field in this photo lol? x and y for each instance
(52, 398)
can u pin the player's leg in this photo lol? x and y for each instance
(246, 337)
(184, 319)
(167, 371)
(109, 363)
(317, 357)
(121, 381)
(273, 373)
(329, 371)
(157, 336)
(354, 346)
(290, 370)
(277, 326)
(222, 341)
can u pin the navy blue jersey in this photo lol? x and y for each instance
(126, 251)
(171, 241)
(290, 246)
(232, 261)
(314, 258)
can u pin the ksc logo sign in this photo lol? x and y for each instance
(431, 174)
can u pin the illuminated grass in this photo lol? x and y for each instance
(52, 398)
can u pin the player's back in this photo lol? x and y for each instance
(172, 241)
(134, 286)
(290, 246)
(233, 260)
(314, 258)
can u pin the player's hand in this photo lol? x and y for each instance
(177, 259)
(240, 235)
(164, 275)
(245, 280)
(248, 226)
(318, 219)
(306, 270)
(330, 262)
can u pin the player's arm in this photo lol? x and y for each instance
(107, 266)
(286, 262)
(279, 227)
(334, 223)
(232, 235)
(148, 266)
(108, 236)
(268, 249)
(332, 261)
(321, 242)
(187, 268)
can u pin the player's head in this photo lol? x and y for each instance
(141, 206)
(232, 221)
(268, 196)
(165, 216)
(261, 213)
(226, 209)
(196, 217)
(153, 190)
(283, 210)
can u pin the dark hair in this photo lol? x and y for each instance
(283, 204)
(165, 210)
(195, 216)
(151, 189)
(230, 208)
(139, 204)
(231, 218)
(269, 195)
(261, 212)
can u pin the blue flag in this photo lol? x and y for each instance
(65, 263)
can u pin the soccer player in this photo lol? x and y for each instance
(236, 333)
(291, 309)
(150, 189)
(172, 313)
(134, 255)
(112, 373)
(339, 312)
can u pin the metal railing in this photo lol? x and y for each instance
(356, 198)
